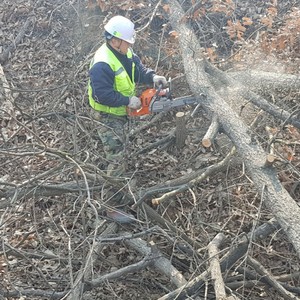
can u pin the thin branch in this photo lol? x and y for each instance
(270, 279)
(151, 18)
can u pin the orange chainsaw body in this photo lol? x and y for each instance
(147, 99)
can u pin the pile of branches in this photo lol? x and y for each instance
(209, 223)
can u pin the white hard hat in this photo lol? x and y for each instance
(121, 28)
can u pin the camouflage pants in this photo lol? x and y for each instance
(112, 134)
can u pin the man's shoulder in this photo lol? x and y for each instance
(100, 66)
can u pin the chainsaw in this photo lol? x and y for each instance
(159, 100)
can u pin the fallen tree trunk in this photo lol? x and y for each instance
(267, 81)
(235, 87)
(275, 197)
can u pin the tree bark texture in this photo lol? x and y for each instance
(215, 269)
(161, 263)
(275, 197)
(270, 82)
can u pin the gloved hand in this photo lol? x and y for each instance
(134, 103)
(160, 80)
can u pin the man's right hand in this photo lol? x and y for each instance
(134, 103)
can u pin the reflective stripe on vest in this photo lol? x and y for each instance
(122, 83)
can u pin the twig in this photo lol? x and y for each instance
(165, 140)
(130, 236)
(151, 18)
(234, 285)
(79, 285)
(148, 260)
(149, 124)
(241, 247)
(208, 172)
(17, 40)
(149, 193)
(237, 280)
(160, 263)
(49, 190)
(159, 50)
(168, 225)
(38, 256)
(36, 293)
(270, 279)
(191, 10)
(227, 262)
(44, 147)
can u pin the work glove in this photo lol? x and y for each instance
(134, 103)
(160, 80)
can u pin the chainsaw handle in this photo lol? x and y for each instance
(147, 97)
(160, 86)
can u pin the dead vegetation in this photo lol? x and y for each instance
(199, 211)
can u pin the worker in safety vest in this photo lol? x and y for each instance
(114, 71)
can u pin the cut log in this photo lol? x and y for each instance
(211, 133)
(275, 197)
(270, 159)
(180, 130)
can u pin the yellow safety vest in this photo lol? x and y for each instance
(122, 84)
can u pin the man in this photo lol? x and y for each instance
(114, 70)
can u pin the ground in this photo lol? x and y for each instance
(48, 73)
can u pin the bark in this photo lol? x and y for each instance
(275, 197)
(215, 270)
(227, 85)
(161, 263)
(267, 81)
(27, 192)
(143, 264)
